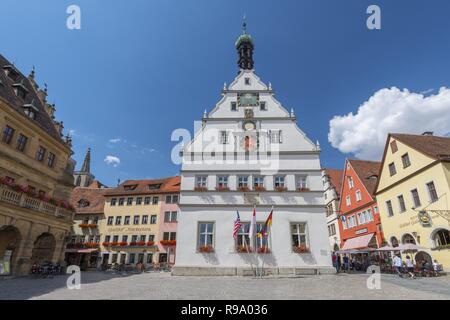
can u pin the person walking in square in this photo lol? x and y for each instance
(398, 264)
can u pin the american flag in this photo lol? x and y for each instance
(237, 225)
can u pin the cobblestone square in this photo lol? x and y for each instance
(155, 286)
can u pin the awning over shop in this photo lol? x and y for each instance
(358, 242)
(80, 250)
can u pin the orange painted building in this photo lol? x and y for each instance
(359, 223)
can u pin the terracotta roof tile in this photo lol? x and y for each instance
(433, 146)
(335, 178)
(95, 197)
(135, 187)
(368, 172)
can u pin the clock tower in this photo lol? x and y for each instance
(250, 152)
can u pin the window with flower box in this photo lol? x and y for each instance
(222, 183)
(201, 183)
(299, 237)
(301, 183)
(124, 238)
(115, 239)
(170, 236)
(258, 183)
(279, 183)
(243, 183)
(205, 234)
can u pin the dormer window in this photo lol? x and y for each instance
(154, 186)
(11, 72)
(83, 203)
(20, 90)
(130, 187)
(30, 110)
(247, 81)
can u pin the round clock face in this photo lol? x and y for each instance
(249, 126)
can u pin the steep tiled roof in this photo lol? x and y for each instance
(335, 178)
(433, 146)
(96, 184)
(7, 94)
(368, 172)
(147, 186)
(94, 196)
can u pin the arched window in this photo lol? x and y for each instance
(407, 238)
(394, 242)
(442, 238)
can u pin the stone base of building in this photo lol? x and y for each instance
(238, 271)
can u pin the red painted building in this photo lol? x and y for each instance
(359, 223)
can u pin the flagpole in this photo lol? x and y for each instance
(253, 239)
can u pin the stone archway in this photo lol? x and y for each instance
(10, 238)
(43, 248)
(422, 255)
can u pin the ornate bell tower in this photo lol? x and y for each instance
(244, 47)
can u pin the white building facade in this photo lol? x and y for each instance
(332, 198)
(249, 152)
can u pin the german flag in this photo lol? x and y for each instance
(265, 229)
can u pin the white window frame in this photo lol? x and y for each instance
(301, 181)
(222, 181)
(223, 137)
(298, 233)
(358, 195)
(201, 181)
(206, 233)
(348, 201)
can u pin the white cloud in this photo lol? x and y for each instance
(112, 160)
(389, 111)
(115, 140)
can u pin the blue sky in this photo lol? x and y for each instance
(139, 69)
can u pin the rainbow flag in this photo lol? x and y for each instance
(265, 228)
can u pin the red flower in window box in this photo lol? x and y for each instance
(263, 250)
(106, 244)
(303, 189)
(244, 188)
(91, 245)
(301, 249)
(150, 243)
(243, 249)
(280, 189)
(114, 244)
(201, 189)
(168, 242)
(83, 225)
(140, 243)
(92, 225)
(206, 249)
(222, 188)
(259, 188)
(133, 243)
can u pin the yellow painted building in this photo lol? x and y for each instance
(35, 175)
(133, 216)
(413, 194)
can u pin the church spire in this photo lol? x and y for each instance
(87, 162)
(244, 47)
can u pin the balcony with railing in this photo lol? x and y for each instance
(24, 200)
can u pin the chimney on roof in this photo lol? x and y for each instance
(427, 133)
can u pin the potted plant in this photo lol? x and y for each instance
(206, 249)
(114, 244)
(263, 250)
(150, 243)
(303, 189)
(83, 225)
(301, 249)
(140, 243)
(222, 188)
(244, 188)
(259, 188)
(106, 244)
(243, 249)
(168, 242)
(280, 188)
(200, 189)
